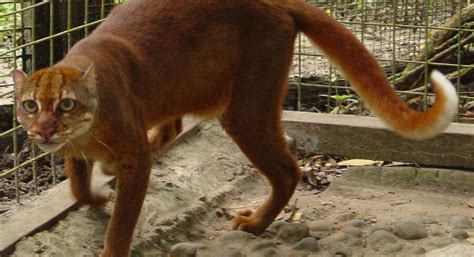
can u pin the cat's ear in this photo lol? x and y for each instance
(18, 77)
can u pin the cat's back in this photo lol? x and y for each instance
(139, 17)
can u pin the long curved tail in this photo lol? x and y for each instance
(367, 78)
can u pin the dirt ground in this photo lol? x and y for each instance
(199, 182)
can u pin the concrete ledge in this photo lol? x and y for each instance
(368, 138)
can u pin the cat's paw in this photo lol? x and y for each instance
(97, 199)
(248, 222)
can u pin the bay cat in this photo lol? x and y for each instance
(120, 93)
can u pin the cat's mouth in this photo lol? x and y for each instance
(49, 145)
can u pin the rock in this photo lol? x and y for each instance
(393, 248)
(459, 234)
(308, 244)
(335, 238)
(299, 254)
(276, 225)
(259, 246)
(457, 250)
(378, 227)
(183, 250)
(356, 242)
(460, 221)
(355, 232)
(269, 252)
(231, 253)
(418, 250)
(357, 223)
(345, 217)
(409, 230)
(379, 239)
(293, 233)
(322, 226)
(236, 238)
(440, 242)
(342, 250)
(437, 231)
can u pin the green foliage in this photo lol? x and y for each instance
(362, 4)
(6, 21)
(343, 102)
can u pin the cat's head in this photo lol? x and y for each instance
(56, 104)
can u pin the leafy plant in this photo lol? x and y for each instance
(343, 102)
(6, 20)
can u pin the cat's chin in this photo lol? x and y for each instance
(51, 148)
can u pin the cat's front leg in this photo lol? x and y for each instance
(132, 180)
(79, 172)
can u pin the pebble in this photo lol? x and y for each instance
(440, 242)
(345, 217)
(353, 231)
(378, 227)
(262, 245)
(276, 225)
(236, 238)
(393, 248)
(322, 226)
(459, 234)
(379, 239)
(356, 242)
(308, 244)
(409, 230)
(418, 250)
(293, 233)
(338, 237)
(342, 250)
(269, 252)
(357, 223)
(183, 250)
(231, 253)
(437, 231)
(453, 250)
(460, 221)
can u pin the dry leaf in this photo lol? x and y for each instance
(296, 216)
(358, 162)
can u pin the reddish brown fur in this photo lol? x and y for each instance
(155, 61)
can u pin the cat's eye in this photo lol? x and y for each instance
(30, 106)
(67, 105)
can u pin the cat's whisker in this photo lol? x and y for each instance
(72, 145)
(85, 158)
(101, 142)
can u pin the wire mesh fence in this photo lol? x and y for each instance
(404, 35)
(33, 35)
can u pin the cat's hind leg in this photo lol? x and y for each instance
(253, 120)
(261, 140)
(79, 172)
(163, 134)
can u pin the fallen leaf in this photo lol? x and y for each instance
(296, 216)
(358, 162)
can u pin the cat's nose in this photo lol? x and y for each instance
(46, 133)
